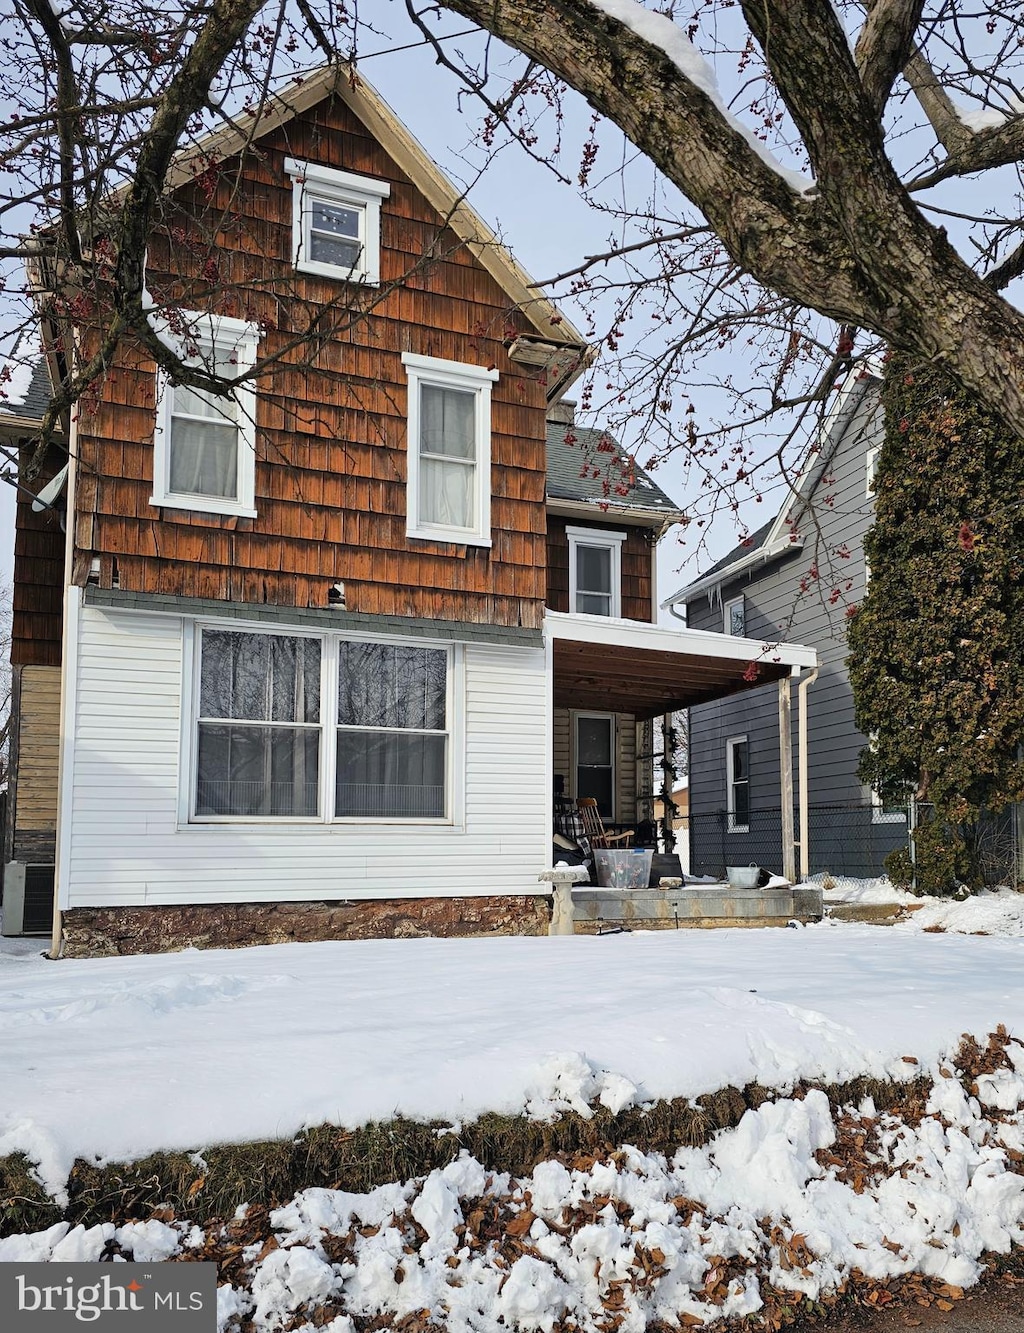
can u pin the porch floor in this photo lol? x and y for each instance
(705, 906)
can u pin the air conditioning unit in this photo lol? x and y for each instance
(28, 899)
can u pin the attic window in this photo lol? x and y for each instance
(336, 222)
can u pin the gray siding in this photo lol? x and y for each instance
(784, 600)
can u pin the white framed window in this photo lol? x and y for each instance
(883, 813)
(734, 617)
(871, 470)
(258, 729)
(595, 571)
(392, 731)
(449, 450)
(336, 222)
(737, 779)
(594, 759)
(296, 726)
(204, 444)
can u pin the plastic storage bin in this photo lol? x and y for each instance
(623, 868)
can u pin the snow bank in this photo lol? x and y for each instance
(790, 1202)
(1000, 912)
(111, 1059)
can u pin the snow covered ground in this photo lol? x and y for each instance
(115, 1057)
(110, 1059)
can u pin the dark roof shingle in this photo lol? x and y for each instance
(590, 465)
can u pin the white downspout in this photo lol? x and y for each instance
(68, 690)
(805, 845)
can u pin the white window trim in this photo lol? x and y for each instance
(601, 537)
(312, 182)
(740, 601)
(732, 826)
(613, 722)
(879, 814)
(871, 466)
(461, 375)
(455, 712)
(207, 332)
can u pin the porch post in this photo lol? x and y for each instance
(668, 808)
(805, 817)
(786, 779)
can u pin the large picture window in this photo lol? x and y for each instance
(258, 732)
(204, 454)
(263, 703)
(449, 452)
(392, 731)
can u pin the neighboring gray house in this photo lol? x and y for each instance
(794, 579)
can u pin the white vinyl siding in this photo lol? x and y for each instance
(130, 845)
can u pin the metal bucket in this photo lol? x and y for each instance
(742, 877)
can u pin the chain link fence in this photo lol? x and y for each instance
(847, 842)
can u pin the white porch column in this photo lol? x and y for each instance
(786, 779)
(805, 820)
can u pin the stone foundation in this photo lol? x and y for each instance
(94, 932)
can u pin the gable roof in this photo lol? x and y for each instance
(366, 103)
(747, 547)
(782, 533)
(585, 466)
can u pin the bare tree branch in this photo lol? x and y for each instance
(884, 46)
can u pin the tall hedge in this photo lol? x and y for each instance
(937, 647)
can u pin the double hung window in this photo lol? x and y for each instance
(205, 443)
(269, 743)
(449, 452)
(392, 731)
(258, 741)
(595, 571)
(336, 222)
(737, 765)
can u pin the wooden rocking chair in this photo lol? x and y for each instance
(593, 827)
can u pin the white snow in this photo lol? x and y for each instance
(17, 371)
(861, 891)
(663, 32)
(999, 912)
(689, 1238)
(110, 1059)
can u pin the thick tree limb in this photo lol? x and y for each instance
(860, 252)
(996, 147)
(936, 104)
(1011, 267)
(884, 46)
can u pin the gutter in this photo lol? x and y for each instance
(607, 511)
(751, 560)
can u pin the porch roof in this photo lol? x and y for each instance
(628, 666)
